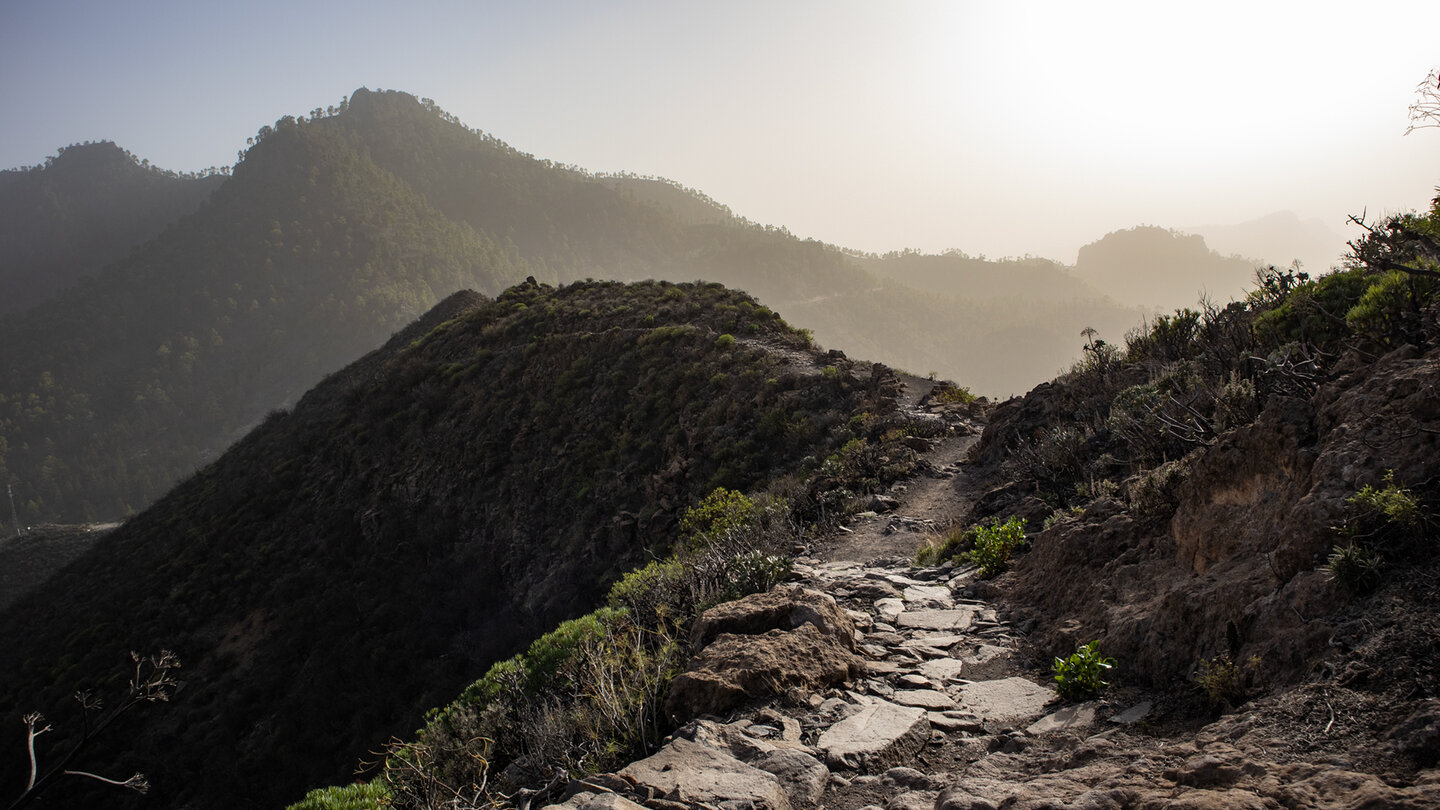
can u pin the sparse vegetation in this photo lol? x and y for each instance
(1224, 682)
(988, 545)
(153, 681)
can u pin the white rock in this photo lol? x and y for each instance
(1009, 701)
(877, 737)
(685, 771)
(960, 619)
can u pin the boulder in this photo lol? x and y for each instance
(596, 801)
(784, 608)
(685, 771)
(739, 668)
(878, 736)
(804, 777)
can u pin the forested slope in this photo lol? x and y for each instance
(417, 516)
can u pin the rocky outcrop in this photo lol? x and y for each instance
(762, 645)
(784, 608)
(735, 669)
(1236, 569)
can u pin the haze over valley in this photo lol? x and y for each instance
(791, 406)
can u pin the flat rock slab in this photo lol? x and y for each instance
(937, 594)
(941, 641)
(982, 654)
(1070, 717)
(1132, 715)
(685, 771)
(951, 620)
(1009, 701)
(889, 609)
(881, 735)
(941, 670)
(925, 699)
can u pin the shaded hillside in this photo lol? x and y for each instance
(28, 560)
(1236, 483)
(1155, 267)
(85, 208)
(417, 516)
(306, 257)
(338, 229)
(957, 274)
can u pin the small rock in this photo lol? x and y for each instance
(915, 681)
(912, 800)
(924, 698)
(804, 777)
(883, 503)
(956, 798)
(1132, 715)
(907, 778)
(952, 722)
(1068, 718)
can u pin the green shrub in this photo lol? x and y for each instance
(993, 544)
(756, 572)
(950, 394)
(360, 796)
(724, 341)
(654, 594)
(1389, 311)
(1354, 567)
(1313, 312)
(1082, 674)
(721, 512)
(1155, 492)
(1395, 504)
(1223, 682)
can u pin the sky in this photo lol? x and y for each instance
(995, 128)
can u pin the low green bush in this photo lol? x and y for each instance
(1082, 674)
(993, 545)
(361, 796)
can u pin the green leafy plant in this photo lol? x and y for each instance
(993, 544)
(1082, 674)
(1396, 504)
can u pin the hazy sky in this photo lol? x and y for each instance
(1000, 128)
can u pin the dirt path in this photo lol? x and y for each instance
(929, 503)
